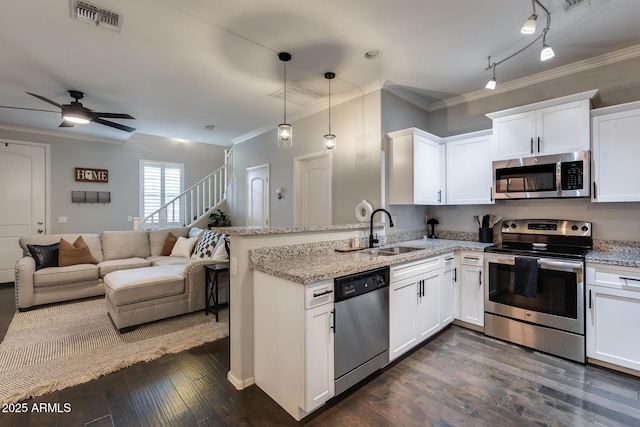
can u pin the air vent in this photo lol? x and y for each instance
(568, 5)
(92, 14)
(299, 93)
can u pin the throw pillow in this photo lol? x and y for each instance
(183, 247)
(206, 246)
(45, 255)
(169, 243)
(76, 253)
(196, 232)
(222, 250)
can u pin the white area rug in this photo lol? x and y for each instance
(56, 347)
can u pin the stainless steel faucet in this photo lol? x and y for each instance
(371, 239)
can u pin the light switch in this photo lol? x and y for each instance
(62, 220)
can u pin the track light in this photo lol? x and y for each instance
(547, 52)
(491, 84)
(529, 27)
(329, 139)
(285, 130)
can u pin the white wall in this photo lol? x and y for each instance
(122, 161)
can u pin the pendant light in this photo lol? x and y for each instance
(547, 52)
(329, 139)
(285, 130)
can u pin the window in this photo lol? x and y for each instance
(160, 183)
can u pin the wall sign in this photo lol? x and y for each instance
(92, 175)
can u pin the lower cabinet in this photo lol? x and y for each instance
(471, 276)
(613, 315)
(420, 303)
(294, 348)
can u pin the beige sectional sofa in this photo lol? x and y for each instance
(117, 251)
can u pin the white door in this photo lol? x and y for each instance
(22, 200)
(258, 196)
(313, 189)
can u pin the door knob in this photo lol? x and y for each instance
(40, 222)
(40, 230)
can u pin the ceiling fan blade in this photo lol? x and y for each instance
(113, 116)
(45, 99)
(29, 109)
(66, 124)
(114, 125)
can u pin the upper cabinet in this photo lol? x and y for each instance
(468, 168)
(416, 168)
(616, 153)
(556, 126)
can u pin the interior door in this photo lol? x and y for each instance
(257, 213)
(23, 200)
(313, 189)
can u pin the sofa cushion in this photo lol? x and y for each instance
(143, 284)
(92, 241)
(45, 255)
(53, 276)
(125, 244)
(107, 267)
(169, 243)
(157, 238)
(169, 260)
(76, 253)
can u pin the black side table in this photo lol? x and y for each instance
(211, 286)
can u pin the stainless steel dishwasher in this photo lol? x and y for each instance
(361, 326)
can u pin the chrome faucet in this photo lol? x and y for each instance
(371, 239)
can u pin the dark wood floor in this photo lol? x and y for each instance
(461, 378)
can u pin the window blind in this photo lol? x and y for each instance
(161, 183)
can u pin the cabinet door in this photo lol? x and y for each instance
(616, 153)
(612, 319)
(469, 171)
(319, 353)
(512, 136)
(446, 294)
(471, 295)
(403, 303)
(562, 128)
(428, 319)
(427, 170)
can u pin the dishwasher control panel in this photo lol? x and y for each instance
(361, 283)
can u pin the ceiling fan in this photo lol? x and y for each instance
(75, 113)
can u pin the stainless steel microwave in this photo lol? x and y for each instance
(555, 176)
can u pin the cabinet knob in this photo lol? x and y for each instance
(40, 230)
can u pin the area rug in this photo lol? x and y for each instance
(55, 347)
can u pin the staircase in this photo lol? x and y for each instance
(194, 203)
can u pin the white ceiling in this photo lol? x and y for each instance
(179, 65)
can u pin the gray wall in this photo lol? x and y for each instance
(122, 161)
(617, 83)
(357, 170)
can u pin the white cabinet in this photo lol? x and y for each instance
(416, 168)
(472, 288)
(613, 315)
(616, 153)
(555, 126)
(294, 348)
(414, 304)
(468, 169)
(446, 295)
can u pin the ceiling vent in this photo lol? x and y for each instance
(98, 16)
(299, 93)
(568, 5)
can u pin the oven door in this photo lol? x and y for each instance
(557, 300)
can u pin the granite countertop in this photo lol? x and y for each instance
(315, 268)
(623, 256)
(256, 231)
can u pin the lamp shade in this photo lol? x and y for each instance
(546, 53)
(329, 141)
(491, 84)
(529, 27)
(285, 135)
(75, 115)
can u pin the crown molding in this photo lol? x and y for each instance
(407, 95)
(60, 134)
(314, 108)
(576, 67)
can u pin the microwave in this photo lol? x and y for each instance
(554, 176)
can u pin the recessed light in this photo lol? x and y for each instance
(209, 127)
(373, 54)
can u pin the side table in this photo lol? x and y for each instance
(211, 286)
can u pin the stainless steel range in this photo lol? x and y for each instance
(534, 294)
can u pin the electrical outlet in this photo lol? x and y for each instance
(129, 218)
(394, 218)
(62, 220)
(233, 266)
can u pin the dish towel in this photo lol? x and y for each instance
(526, 277)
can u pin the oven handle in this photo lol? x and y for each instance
(544, 262)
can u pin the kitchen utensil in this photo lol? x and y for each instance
(485, 221)
(494, 220)
(477, 220)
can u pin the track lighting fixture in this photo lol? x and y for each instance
(529, 27)
(547, 52)
(285, 130)
(491, 84)
(329, 139)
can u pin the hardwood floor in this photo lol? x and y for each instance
(461, 378)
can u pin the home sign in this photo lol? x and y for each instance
(92, 175)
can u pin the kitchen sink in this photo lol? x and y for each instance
(390, 251)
